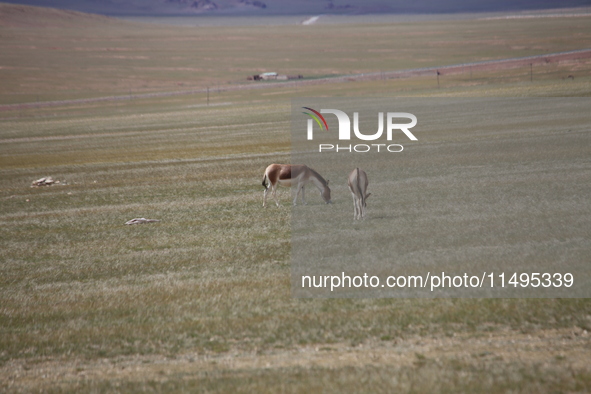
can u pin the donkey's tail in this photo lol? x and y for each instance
(265, 182)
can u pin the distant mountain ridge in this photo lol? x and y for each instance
(295, 7)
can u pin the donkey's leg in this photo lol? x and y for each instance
(362, 208)
(274, 188)
(354, 206)
(265, 197)
(299, 188)
(304, 195)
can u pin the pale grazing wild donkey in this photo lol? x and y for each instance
(358, 185)
(285, 174)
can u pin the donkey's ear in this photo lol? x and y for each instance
(367, 195)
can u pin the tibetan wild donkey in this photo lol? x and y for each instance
(285, 174)
(358, 185)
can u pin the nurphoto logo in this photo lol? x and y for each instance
(344, 130)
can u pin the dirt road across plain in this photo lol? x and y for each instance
(489, 65)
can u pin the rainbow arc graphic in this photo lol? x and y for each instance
(317, 117)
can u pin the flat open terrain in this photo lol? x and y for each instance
(491, 185)
(51, 55)
(201, 300)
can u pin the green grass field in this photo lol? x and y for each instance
(201, 300)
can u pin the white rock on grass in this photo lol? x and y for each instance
(141, 221)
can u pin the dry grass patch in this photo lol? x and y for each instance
(201, 300)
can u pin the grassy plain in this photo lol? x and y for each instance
(492, 185)
(201, 301)
(49, 55)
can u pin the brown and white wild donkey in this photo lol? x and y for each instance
(358, 185)
(299, 174)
